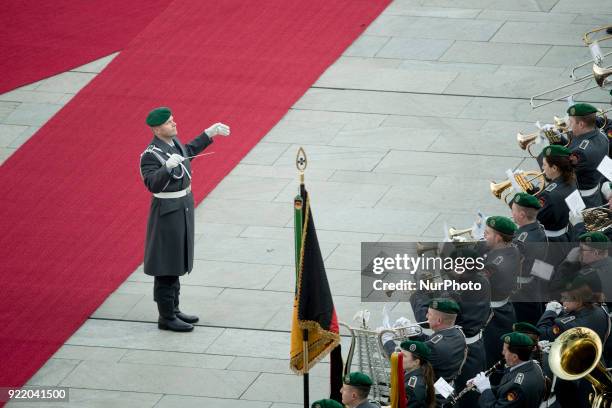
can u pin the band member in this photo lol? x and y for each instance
(356, 389)
(502, 265)
(531, 241)
(166, 172)
(523, 382)
(419, 374)
(554, 214)
(589, 146)
(326, 403)
(447, 343)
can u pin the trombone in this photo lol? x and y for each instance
(599, 74)
(522, 180)
(593, 44)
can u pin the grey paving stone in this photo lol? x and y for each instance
(176, 359)
(276, 366)
(388, 137)
(156, 378)
(322, 235)
(35, 96)
(67, 82)
(540, 33)
(335, 193)
(213, 229)
(284, 172)
(433, 122)
(511, 110)
(443, 164)
(384, 79)
(180, 401)
(495, 53)
(457, 220)
(466, 194)
(284, 388)
(283, 405)
(264, 153)
(5, 153)
(346, 256)
(567, 6)
(239, 212)
(595, 19)
(565, 56)
(232, 274)
(442, 66)
(6, 108)
(335, 157)
(84, 398)
(8, 133)
(97, 65)
(287, 131)
(524, 5)
(263, 344)
(534, 16)
(141, 336)
(53, 372)
(366, 46)
(368, 62)
(382, 102)
(89, 353)
(341, 282)
(249, 188)
(414, 49)
(117, 305)
(23, 136)
(410, 8)
(435, 28)
(364, 177)
(32, 114)
(351, 121)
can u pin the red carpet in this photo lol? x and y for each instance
(39, 39)
(74, 207)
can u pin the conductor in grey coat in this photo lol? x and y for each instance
(166, 171)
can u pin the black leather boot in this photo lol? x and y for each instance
(174, 324)
(185, 317)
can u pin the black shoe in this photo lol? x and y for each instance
(609, 30)
(175, 324)
(187, 318)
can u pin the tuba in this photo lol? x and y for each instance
(597, 218)
(523, 179)
(576, 354)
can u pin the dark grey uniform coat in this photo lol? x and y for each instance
(588, 151)
(521, 387)
(170, 228)
(416, 389)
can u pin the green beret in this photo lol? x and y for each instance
(594, 236)
(581, 109)
(445, 305)
(501, 224)
(327, 403)
(576, 283)
(357, 379)
(516, 339)
(158, 116)
(526, 328)
(526, 200)
(418, 348)
(556, 150)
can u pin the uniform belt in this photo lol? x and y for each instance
(554, 234)
(473, 339)
(499, 303)
(174, 194)
(548, 402)
(589, 192)
(523, 280)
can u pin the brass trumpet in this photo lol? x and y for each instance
(554, 136)
(458, 235)
(525, 183)
(576, 354)
(402, 333)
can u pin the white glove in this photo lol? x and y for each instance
(401, 322)
(575, 218)
(481, 382)
(174, 160)
(218, 129)
(386, 335)
(554, 306)
(573, 255)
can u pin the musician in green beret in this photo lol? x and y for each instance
(589, 146)
(356, 389)
(326, 403)
(522, 384)
(530, 239)
(165, 167)
(419, 374)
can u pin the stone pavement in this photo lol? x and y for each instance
(403, 134)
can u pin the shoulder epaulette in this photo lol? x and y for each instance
(412, 381)
(435, 339)
(551, 187)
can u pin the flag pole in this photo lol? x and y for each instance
(301, 162)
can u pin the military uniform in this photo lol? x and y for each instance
(588, 150)
(521, 386)
(595, 318)
(416, 389)
(502, 266)
(531, 241)
(170, 226)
